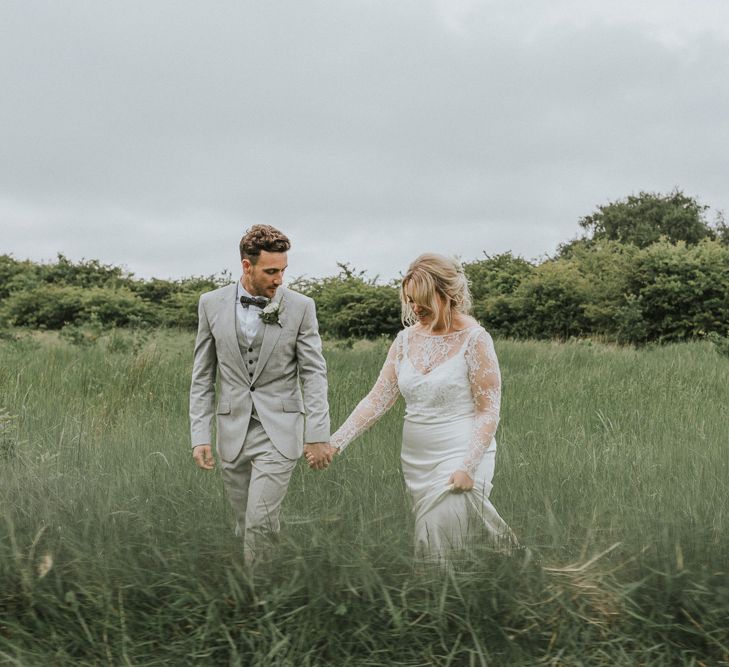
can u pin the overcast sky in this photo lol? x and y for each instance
(151, 134)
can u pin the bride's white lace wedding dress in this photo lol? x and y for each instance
(452, 389)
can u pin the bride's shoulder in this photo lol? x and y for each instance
(400, 336)
(406, 331)
(477, 333)
(399, 343)
(472, 325)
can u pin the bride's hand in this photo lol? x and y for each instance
(460, 481)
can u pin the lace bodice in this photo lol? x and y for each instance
(442, 378)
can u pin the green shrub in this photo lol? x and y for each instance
(549, 303)
(54, 306)
(493, 281)
(649, 268)
(11, 272)
(611, 309)
(350, 305)
(683, 291)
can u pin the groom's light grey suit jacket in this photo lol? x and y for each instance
(290, 358)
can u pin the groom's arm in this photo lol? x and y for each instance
(202, 387)
(313, 374)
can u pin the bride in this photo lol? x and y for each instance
(444, 365)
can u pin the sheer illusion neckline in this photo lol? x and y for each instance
(427, 353)
(446, 335)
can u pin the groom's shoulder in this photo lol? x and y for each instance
(292, 296)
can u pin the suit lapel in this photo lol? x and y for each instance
(229, 326)
(271, 334)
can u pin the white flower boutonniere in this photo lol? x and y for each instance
(270, 313)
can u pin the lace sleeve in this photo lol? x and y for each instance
(485, 380)
(381, 398)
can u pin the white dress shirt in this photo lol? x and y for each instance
(249, 321)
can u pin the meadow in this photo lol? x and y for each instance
(613, 468)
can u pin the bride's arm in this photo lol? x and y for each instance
(381, 398)
(485, 380)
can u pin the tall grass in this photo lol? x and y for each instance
(613, 468)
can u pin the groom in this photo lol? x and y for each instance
(262, 340)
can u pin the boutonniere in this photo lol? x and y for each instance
(270, 313)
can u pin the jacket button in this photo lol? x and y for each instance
(250, 361)
(253, 388)
(250, 349)
(251, 374)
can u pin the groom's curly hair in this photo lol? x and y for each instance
(262, 237)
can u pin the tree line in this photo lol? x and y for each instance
(649, 267)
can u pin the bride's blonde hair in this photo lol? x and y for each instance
(428, 277)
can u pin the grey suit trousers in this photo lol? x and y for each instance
(256, 482)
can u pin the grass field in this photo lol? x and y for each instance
(613, 467)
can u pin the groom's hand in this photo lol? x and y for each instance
(203, 455)
(319, 454)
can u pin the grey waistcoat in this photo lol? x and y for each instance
(249, 352)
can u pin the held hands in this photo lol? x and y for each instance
(203, 455)
(319, 454)
(460, 481)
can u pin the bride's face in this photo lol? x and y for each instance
(422, 312)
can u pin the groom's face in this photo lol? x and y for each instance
(265, 276)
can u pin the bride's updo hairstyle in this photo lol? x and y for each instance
(428, 277)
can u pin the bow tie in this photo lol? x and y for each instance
(258, 301)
